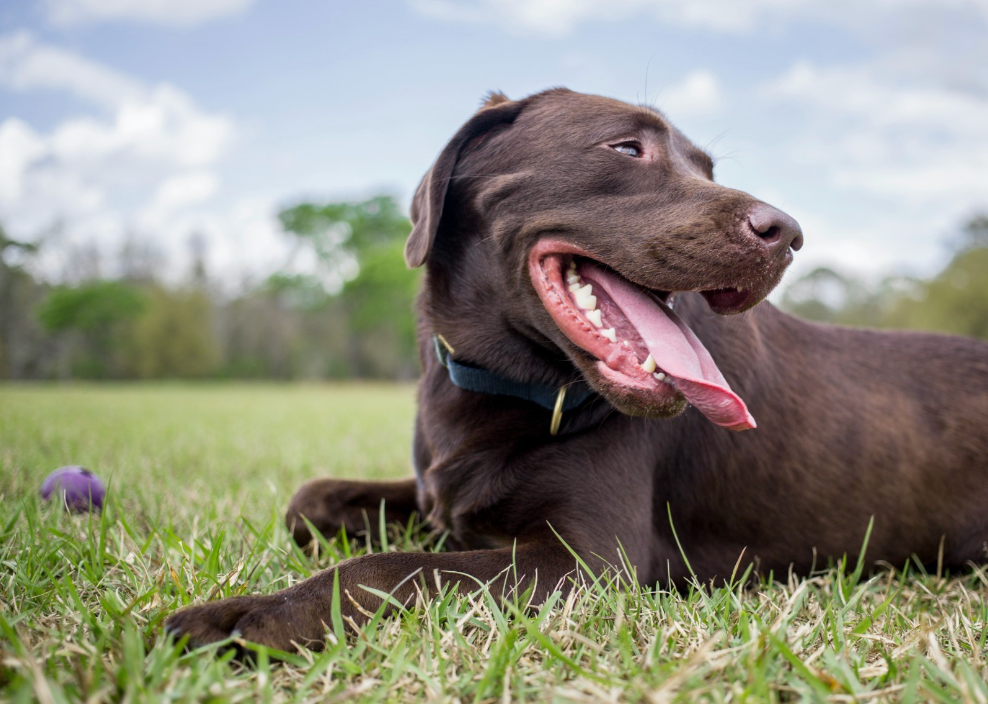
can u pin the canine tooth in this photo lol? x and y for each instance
(660, 376)
(649, 364)
(608, 333)
(594, 317)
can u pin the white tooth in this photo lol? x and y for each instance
(594, 317)
(572, 265)
(660, 376)
(585, 298)
(625, 343)
(574, 287)
(608, 333)
(573, 278)
(649, 364)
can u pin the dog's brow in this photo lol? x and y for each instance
(630, 124)
(650, 120)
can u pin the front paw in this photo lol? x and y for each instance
(329, 505)
(274, 621)
(210, 623)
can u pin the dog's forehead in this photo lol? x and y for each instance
(563, 116)
(565, 113)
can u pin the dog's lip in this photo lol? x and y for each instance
(618, 365)
(725, 301)
(658, 359)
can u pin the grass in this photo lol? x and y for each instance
(199, 477)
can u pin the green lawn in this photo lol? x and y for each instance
(199, 477)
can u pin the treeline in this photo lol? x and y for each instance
(351, 316)
(953, 301)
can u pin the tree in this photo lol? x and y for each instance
(829, 296)
(358, 247)
(98, 312)
(173, 336)
(954, 301)
(21, 338)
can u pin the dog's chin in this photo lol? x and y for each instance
(642, 357)
(633, 396)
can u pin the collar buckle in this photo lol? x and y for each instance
(557, 412)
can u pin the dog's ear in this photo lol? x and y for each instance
(427, 205)
(495, 97)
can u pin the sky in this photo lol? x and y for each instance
(145, 121)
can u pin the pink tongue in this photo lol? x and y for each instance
(679, 353)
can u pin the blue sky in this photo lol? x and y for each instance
(150, 119)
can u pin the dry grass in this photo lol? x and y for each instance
(199, 477)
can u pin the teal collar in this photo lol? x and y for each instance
(470, 378)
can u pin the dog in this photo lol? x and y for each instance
(592, 329)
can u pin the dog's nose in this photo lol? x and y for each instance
(776, 229)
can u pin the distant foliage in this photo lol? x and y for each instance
(96, 307)
(100, 315)
(175, 337)
(342, 306)
(362, 277)
(25, 350)
(954, 301)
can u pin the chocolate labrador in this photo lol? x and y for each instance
(584, 365)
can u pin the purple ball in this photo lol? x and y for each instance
(76, 488)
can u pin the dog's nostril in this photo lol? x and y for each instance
(770, 235)
(776, 229)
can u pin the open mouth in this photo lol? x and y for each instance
(642, 347)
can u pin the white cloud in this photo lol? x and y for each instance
(918, 142)
(145, 164)
(246, 238)
(161, 127)
(20, 146)
(915, 151)
(175, 194)
(872, 246)
(858, 92)
(149, 124)
(698, 93)
(561, 17)
(167, 12)
(27, 65)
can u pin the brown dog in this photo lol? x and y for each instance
(558, 233)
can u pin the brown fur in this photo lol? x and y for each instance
(854, 425)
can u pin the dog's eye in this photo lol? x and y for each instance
(628, 149)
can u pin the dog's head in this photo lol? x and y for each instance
(557, 231)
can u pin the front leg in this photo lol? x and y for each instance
(301, 614)
(332, 504)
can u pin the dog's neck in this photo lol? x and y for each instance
(560, 400)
